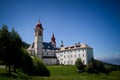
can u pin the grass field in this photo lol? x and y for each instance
(64, 73)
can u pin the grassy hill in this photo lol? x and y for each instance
(58, 72)
(63, 73)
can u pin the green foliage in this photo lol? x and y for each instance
(96, 66)
(10, 46)
(79, 65)
(101, 67)
(27, 62)
(33, 65)
(13, 55)
(25, 45)
(4, 44)
(92, 67)
(39, 68)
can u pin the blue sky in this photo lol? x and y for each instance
(94, 22)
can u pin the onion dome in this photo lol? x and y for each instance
(39, 25)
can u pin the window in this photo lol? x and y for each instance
(83, 50)
(74, 51)
(79, 55)
(83, 55)
(64, 62)
(71, 56)
(68, 62)
(64, 56)
(75, 55)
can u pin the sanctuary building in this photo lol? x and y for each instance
(52, 55)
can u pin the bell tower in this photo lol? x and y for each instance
(38, 40)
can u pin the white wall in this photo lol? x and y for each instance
(68, 57)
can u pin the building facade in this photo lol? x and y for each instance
(68, 55)
(51, 55)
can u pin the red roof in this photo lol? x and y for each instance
(39, 25)
(53, 39)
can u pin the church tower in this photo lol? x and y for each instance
(38, 40)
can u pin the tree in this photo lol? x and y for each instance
(33, 65)
(92, 66)
(16, 44)
(10, 45)
(79, 65)
(27, 62)
(39, 67)
(5, 45)
(13, 54)
(25, 45)
(96, 66)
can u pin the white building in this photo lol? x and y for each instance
(50, 54)
(68, 55)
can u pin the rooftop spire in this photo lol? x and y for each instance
(53, 42)
(39, 21)
(53, 38)
(61, 44)
(53, 35)
(39, 25)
